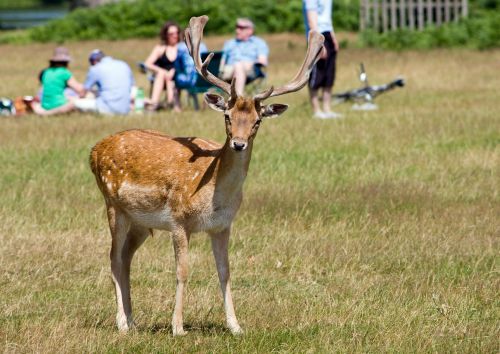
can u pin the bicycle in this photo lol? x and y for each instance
(364, 96)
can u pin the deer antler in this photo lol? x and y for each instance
(314, 46)
(193, 35)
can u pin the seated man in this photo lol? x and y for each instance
(113, 79)
(242, 53)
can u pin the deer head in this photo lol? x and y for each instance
(243, 115)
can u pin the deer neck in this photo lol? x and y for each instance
(233, 168)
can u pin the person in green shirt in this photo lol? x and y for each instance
(55, 80)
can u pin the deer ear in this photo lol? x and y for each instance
(273, 110)
(215, 102)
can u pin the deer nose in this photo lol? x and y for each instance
(238, 145)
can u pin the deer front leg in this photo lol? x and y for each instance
(119, 225)
(181, 242)
(220, 242)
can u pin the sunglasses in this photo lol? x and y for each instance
(172, 33)
(241, 27)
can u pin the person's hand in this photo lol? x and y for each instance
(162, 72)
(324, 53)
(335, 43)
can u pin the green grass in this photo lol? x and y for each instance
(376, 233)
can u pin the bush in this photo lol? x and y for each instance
(480, 31)
(143, 18)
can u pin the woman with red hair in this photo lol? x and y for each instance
(161, 62)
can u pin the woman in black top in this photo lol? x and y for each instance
(161, 62)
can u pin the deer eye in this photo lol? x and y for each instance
(227, 118)
(257, 123)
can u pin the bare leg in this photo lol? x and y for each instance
(313, 95)
(158, 86)
(65, 108)
(240, 77)
(170, 91)
(220, 243)
(119, 225)
(327, 97)
(181, 242)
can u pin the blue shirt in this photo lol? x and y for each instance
(185, 71)
(324, 10)
(236, 51)
(114, 81)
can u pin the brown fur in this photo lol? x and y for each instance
(184, 185)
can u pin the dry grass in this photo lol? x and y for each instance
(377, 233)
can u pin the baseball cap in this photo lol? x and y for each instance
(95, 55)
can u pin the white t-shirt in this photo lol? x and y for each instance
(324, 10)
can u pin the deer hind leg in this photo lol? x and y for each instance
(135, 238)
(220, 243)
(119, 226)
(181, 242)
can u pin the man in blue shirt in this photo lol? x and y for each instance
(242, 53)
(113, 80)
(318, 17)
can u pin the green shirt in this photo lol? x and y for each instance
(54, 81)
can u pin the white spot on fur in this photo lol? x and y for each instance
(195, 175)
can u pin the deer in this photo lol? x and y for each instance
(184, 185)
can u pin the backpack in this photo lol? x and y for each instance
(7, 107)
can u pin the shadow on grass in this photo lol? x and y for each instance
(203, 328)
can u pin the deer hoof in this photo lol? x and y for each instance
(124, 324)
(236, 330)
(178, 331)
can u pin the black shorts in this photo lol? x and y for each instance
(323, 73)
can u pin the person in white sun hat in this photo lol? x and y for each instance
(56, 80)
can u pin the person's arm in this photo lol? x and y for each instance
(152, 58)
(263, 53)
(312, 20)
(335, 42)
(75, 85)
(90, 81)
(40, 76)
(225, 53)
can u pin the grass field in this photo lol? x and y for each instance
(375, 233)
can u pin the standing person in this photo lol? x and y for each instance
(56, 79)
(113, 80)
(162, 62)
(318, 17)
(241, 53)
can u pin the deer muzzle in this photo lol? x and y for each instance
(238, 144)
